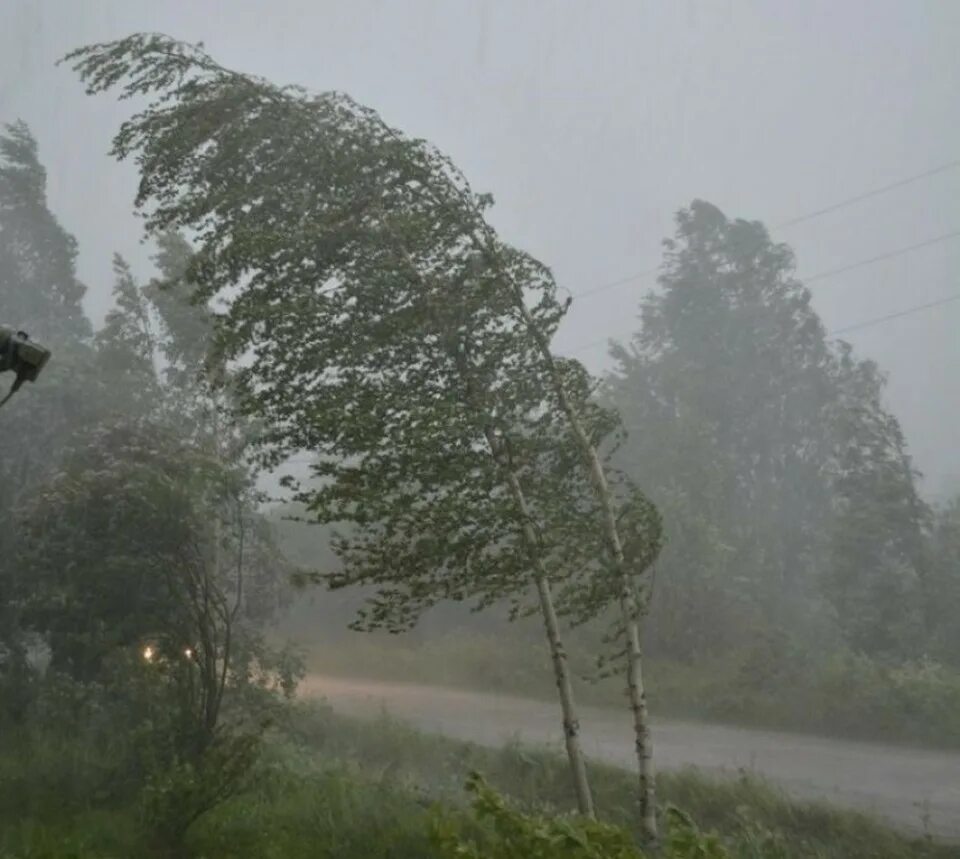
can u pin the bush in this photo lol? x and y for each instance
(499, 830)
(506, 833)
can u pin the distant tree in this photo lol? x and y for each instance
(383, 325)
(875, 568)
(125, 367)
(40, 293)
(39, 290)
(724, 387)
(187, 344)
(942, 585)
(786, 488)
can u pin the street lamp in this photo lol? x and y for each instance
(22, 356)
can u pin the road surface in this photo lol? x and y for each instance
(899, 785)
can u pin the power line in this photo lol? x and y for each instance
(807, 216)
(623, 280)
(822, 275)
(866, 195)
(907, 312)
(856, 326)
(881, 257)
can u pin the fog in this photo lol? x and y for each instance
(424, 403)
(592, 124)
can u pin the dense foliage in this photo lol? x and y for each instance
(138, 574)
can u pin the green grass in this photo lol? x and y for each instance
(747, 811)
(331, 786)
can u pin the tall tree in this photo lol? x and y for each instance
(942, 586)
(726, 379)
(788, 493)
(374, 305)
(40, 292)
(125, 363)
(875, 568)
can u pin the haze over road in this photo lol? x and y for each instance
(894, 783)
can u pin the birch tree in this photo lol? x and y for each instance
(380, 323)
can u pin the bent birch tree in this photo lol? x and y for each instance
(381, 324)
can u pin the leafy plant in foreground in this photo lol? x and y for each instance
(501, 831)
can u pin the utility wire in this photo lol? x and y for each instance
(879, 258)
(807, 216)
(620, 282)
(866, 195)
(856, 326)
(869, 323)
(822, 275)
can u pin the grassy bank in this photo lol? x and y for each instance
(329, 786)
(843, 695)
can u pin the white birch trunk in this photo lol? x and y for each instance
(558, 655)
(629, 609)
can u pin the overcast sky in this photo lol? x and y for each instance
(591, 122)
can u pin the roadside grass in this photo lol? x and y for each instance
(754, 818)
(332, 786)
(843, 695)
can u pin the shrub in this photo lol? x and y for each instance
(511, 834)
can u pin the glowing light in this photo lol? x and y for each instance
(188, 652)
(149, 653)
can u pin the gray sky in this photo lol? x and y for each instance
(591, 123)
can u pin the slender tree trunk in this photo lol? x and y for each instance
(571, 722)
(558, 654)
(629, 608)
(630, 613)
(641, 724)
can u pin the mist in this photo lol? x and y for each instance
(518, 415)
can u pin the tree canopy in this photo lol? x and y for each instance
(787, 489)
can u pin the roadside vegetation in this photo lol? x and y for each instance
(329, 786)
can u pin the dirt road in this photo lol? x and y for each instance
(897, 784)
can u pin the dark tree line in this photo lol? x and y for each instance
(134, 561)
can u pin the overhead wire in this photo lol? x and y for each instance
(798, 219)
(884, 256)
(869, 323)
(856, 326)
(808, 216)
(823, 275)
(866, 195)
